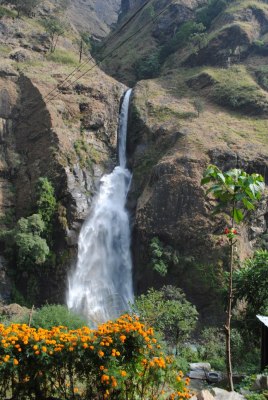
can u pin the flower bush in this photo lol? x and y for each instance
(119, 360)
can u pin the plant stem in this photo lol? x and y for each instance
(228, 321)
(229, 311)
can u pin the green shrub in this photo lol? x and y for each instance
(169, 312)
(147, 67)
(186, 30)
(54, 315)
(209, 12)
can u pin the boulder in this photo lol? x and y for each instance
(205, 395)
(20, 55)
(200, 365)
(198, 374)
(260, 383)
(221, 394)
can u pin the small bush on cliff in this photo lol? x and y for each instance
(162, 257)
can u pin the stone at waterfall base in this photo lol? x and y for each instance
(217, 394)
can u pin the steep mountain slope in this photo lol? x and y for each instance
(206, 102)
(92, 16)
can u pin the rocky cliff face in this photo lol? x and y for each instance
(170, 146)
(69, 136)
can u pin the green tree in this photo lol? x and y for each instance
(32, 249)
(55, 28)
(237, 194)
(169, 312)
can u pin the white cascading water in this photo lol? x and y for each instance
(100, 288)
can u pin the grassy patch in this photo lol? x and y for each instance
(243, 4)
(165, 113)
(63, 57)
(6, 12)
(4, 49)
(236, 89)
(86, 153)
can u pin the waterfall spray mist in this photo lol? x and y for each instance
(100, 288)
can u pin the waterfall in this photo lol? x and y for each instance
(100, 287)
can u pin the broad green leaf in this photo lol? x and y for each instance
(248, 205)
(238, 215)
(205, 180)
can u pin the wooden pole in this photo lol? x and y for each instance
(81, 52)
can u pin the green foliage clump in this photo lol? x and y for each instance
(46, 201)
(169, 312)
(212, 347)
(189, 29)
(26, 241)
(250, 284)
(162, 256)
(31, 247)
(210, 11)
(236, 191)
(248, 384)
(148, 67)
(55, 315)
